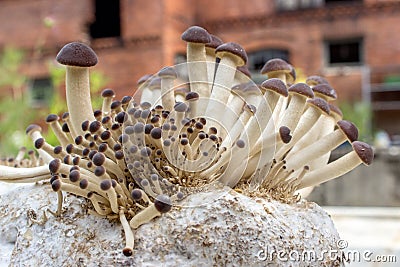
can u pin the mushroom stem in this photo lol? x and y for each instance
(362, 153)
(11, 173)
(161, 205)
(129, 238)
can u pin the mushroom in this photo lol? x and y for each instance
(143, 87)
(232, 56)
(24, 175)
(277, 68)
(34, 132)
(299, 93)
(346, 131)
(315, 108)
(162, 204)
(78, 58)
(362, 153)
(52, 120)
(196, 39)
(129, 238)
(108, 96)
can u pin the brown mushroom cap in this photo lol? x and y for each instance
(245, 70)
(320, 104)
(325, 90)
(77, 54)
(196, 34)
(192, 96)
(349, 129)
(108, 93)
(315, 79)
(284, 133)
(232, 49)
(276, 64)
(168, 72)
(163, 203)
(215, 42)
(144, 78)
(301, 89)
(52, 118)
(33, 127)
(364, 151)
(275, 85)
(337, 112)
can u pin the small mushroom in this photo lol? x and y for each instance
(108, 96)
(52, 120)
(162, 204)
(78, 58)
(196, 38)
(362, 153)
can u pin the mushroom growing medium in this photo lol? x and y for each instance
(137, 158)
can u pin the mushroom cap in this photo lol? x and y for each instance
(276, 85)
(77, 54)
(52, 118)
(315, 79)
(291, 76)
(349, 129)
(168, 72)
(196, 34)
(336, 112)
(364, 151)
(163, 203)
(301, 89)
(192, 96)
(33, 127)
(144, 78)
(155, 83)
(325, 90)
(108, 93)
(320, 104)
(232, 49)
(180, 107)
(251, 89)
(215, 42)
(245, 70)
(284, 133)
(276, 64)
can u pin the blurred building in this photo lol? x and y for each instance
(353, 43)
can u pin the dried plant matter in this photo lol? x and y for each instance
(135, 159)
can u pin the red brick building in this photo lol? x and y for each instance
(353, 43)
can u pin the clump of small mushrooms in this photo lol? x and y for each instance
(196, 124)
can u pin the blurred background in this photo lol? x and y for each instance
(353, 43)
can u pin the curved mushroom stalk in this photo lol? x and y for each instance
(362, 153)
(24, 175)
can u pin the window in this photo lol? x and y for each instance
(107, 19)
(344, 52)
(257, 59)
(41, 92)
(287, 5)
(328, 2)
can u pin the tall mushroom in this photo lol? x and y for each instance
(196, 38)
(78, 58)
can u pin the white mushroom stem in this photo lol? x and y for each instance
(332, 170)
(78, 97)
(147, 93)
(315, 150)
(197, 69)
(232, 111)
(167, 92)
(307, 120)
(61, 136)
(129, 238)
(144, 216)
(238, 127)
(221, 88)
(294, 111)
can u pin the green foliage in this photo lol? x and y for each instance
(16, 112)
(360, 114)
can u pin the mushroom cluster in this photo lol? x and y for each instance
(188, 127)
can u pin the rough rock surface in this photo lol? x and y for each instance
(219, 228)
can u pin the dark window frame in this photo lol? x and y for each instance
(335, 50)
(41, 91)
(107, 19)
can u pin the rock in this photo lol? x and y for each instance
(217, 228)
